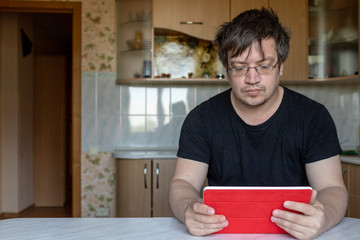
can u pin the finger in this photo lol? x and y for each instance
(304, 208)
(203, 224)
(203, 209)
(313, 197)
(203, 231)
(206, 219)
(288, 219)
(294, 232)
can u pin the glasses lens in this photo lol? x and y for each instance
(239, 71)
(264, 68)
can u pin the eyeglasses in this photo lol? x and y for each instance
(261, 69)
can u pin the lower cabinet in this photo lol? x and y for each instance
(351, 174)
(142, 187)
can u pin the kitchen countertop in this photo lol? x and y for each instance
(170, 153)
(138, 228)
(355, 159)
(152, 153)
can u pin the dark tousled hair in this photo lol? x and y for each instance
(252, 26)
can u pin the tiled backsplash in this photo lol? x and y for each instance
(136, 116)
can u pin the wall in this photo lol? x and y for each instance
(16, 124)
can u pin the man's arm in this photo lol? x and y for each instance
(185, 201)
(328, 204)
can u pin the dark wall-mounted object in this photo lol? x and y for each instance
(26, 43)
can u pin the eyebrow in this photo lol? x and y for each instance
(260, 61)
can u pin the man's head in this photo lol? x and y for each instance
(249, 27)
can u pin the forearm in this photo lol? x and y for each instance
(334, 200)
(181, 193)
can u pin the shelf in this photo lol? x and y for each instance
(142, 22)
(135, 51)
(172, 81)
(324, 81)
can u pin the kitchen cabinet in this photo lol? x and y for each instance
(292, 14)
(134, 34)
(142, 187)
(200, 18)
(333, 39)
(351, 174)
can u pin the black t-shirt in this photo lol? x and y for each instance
(273, 153)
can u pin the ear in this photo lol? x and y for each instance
(281, 69)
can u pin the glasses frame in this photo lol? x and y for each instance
(256, 68)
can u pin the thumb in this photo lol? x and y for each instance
(313, 197)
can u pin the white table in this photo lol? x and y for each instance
(137, 228)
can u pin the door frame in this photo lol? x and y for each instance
(73, 8)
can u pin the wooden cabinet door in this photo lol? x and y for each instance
(239, 6)
(206, 16)
(163, 171)
(294, 14)
(133, 188)
(354, 191)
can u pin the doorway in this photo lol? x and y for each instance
(68, 13)
(52, 110)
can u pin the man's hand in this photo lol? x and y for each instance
(308, 225)
(201, 219)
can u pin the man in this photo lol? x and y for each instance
(259, 133)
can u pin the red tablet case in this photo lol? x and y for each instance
(248, 209)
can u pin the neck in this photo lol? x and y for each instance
(255, 115)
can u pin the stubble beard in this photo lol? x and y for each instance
(252, 101)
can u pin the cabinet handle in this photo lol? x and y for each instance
(145, 171)
(191, 23)
(344, 171)
(157, 175)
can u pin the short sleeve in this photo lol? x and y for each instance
(193, 142)
(322, 141)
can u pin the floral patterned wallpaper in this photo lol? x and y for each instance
(98, 184)
(98, 37)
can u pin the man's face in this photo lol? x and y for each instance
(255, 89)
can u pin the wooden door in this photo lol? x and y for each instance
(206, 16)
(133, 188)
(49, 130)
(163, 171)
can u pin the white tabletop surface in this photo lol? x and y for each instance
(137, 228)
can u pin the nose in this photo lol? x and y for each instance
(252, 76)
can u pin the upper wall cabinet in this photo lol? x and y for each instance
(239, 6)
(293, 15)
(200, 18)
(333, 39)
(134, 38)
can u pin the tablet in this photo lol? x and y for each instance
(248, 209)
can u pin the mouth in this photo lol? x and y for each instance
(253, 91)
